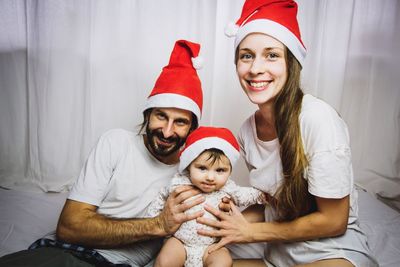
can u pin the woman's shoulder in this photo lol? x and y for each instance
(315, 107)
(246, 129)
(248, 125)
(315, 111)
(321, 126)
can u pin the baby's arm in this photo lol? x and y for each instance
(157, 205)
(245, 196)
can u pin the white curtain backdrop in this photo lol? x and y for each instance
(72, 69)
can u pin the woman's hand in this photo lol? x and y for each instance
(232, 227)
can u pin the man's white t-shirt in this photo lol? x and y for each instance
(121, 178)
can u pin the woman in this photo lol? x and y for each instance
(297, 150)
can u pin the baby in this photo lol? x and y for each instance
(206, 163)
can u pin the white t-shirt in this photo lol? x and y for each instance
(121, 178)
(327, 148)
(329, 174)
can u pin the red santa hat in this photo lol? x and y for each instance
(205, 138)
(178, 85)
(276, 18)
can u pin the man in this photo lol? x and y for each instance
(102, 222)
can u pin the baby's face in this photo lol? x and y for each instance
(207, 175)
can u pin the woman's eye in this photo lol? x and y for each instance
(273, 56)
(246, 56)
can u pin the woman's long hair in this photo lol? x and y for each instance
(292, 197)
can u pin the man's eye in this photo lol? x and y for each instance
(181, 123)
(161, 116)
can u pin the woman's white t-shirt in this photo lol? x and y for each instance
(329, 174)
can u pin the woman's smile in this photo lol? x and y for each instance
(258, 85)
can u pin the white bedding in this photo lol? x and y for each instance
(27, 216)
(382, 226)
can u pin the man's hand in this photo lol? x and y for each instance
(173, 214)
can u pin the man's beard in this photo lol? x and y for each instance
(161, 150)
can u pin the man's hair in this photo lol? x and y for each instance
(146, 117)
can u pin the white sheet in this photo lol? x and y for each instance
(382, 226)
(27, 216)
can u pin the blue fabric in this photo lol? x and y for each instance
(86, 254)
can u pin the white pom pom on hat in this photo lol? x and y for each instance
(198, 62)
(231, 29)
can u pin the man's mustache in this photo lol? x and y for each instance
(160, 135)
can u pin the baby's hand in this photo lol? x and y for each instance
(224, 204)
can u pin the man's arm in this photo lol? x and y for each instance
(79, 222)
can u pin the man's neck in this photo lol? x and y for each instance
(168, 160)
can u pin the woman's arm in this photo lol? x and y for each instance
(254, 213)
(329, 220)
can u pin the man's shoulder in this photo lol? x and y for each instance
(119, 137)
(118, 133)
